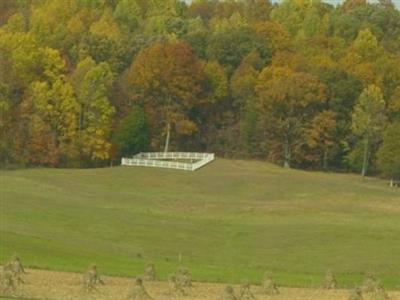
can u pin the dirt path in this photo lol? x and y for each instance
(68, 286)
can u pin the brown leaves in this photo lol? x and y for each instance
(165, 68)
(288, 100)
(167, 78)
(288, 90)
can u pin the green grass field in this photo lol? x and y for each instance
(231, 220)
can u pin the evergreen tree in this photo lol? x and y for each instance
(131, 136)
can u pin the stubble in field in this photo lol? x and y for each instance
(68, 286)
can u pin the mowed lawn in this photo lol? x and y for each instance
(230, 221)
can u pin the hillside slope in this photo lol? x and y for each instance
(230, 220)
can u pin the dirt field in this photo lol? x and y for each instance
(67, 286)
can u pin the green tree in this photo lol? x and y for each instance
(394, 104)
(197, 36)
(216, 82)
(131, 136)
(128, 13)
(23, 55)
(369, 121)
(301, 17)
(106, 27)
(389, 154)
(230, 45)
(243, 83)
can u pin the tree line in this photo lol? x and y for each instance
(301, 83)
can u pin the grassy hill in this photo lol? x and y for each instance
(231, 220)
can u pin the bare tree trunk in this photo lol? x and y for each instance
(325, 160)
(391, 182)
(366, 159)
(80, 125)
(167, 137)
(286, 153)
(168, 117)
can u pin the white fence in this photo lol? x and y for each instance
(155, 159)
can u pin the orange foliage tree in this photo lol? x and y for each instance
(288, 100)
(166, 79)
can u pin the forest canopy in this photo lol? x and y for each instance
(300, 83)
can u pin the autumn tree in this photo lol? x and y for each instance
(48, 22)
(39, 103)
(50, 113)
(166, 78)
(349, 5)
(71, 73)
(343, 90)
(369, 121)
(213, 104)
(91, 83)
(288, 100)
(320, 139)
(273, 36)
(19, 56)
(201, 8)
(164, 17)
(257, 10)
(11, 7)
(362, 56)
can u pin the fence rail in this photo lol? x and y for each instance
(155, 159)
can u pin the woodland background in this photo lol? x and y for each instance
(301, 83)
